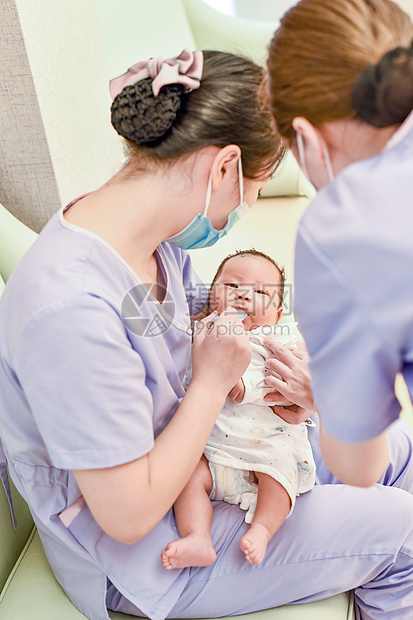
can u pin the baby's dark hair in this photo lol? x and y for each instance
(230, 107)
(254, 252)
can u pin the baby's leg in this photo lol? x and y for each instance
(193, 513)
(273, 506)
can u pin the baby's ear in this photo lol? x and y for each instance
(279, 313)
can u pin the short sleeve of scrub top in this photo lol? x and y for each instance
(96, 378)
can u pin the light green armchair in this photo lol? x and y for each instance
(15, 239)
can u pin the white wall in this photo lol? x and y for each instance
(407, 5)
(263, 9)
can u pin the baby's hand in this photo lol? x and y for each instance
(237, 392)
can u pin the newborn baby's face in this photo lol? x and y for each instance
(252, 284)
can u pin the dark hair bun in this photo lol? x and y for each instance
(140, 116)
(383, 93)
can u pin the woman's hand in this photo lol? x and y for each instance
(293, 380)
(293, 414)
(221, 351)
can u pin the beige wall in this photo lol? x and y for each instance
(58, 141)
(407, 5)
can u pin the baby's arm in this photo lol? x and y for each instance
(251, 387)
(238, 391)
(254, 386)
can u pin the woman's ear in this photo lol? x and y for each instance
(311, 141)
(225, 165)
(312, 154)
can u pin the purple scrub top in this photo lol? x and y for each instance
(354, 290)
(91, 371)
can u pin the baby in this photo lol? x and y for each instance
(253, 458)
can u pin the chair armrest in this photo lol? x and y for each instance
(15, 240)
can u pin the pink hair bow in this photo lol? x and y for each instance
(185, 69)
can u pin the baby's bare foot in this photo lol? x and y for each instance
(254, 543)
(192, 550)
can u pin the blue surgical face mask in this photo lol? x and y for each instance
(326, 154)
(200, 233)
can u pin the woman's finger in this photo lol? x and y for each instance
(209, 318)
(280, 351)
(292, 415)
(300, 351)
(279, 409)
(208, 321)
(276, 397)
(228, 323)
(278, 386)
(203, 326)
(200, 330)
(300, 345)
(301, 355)
(286, 414)
(273, 365)
(231, 314)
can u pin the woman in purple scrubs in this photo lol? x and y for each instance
(98, 433)
(341, 88)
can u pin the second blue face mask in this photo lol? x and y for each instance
(200, 233)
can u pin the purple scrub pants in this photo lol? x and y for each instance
(338, 538)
